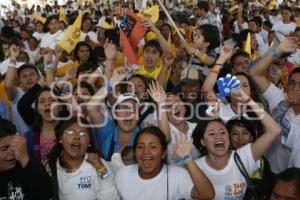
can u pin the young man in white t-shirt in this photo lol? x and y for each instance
(285, 152)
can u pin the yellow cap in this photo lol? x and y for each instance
(150, 36)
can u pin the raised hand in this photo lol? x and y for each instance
(225, 53)
(119, 74)
(157, 93)
(95, 160)
(183, 146)
(185, 46)
(240, 95)
(168, 59)
(14, 52)
(71, 74)
(110, 50)
(226, 84)
(19, 146)
(148, 24)
(59, 53)
(48, 55)
(288, 45)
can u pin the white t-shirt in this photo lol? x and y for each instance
(171, 183)
(92, 35)
(236, 27)
(38, 35)
(285, 152)
(151, 119)
(262, 46)
(229, 183)
(284, 29)
(264, 34)
(85, 183)
(226, 113)
(295, 58)
(50, 40)
(33, 55)
(172, 159)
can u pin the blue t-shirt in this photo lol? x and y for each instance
(3, 111)
(107, 138)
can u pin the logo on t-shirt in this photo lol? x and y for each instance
(15, 191)
(234, 191)
(85, 183)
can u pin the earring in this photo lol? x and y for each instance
(60, 141)
(89, 145)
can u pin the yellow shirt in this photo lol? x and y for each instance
(154, 74)
(61, 71)
(254, 55)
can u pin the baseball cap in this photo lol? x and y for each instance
(125, 96)
(191, 75)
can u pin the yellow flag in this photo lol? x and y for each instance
(80, 2)
(247, 46)
(233, 8)
(62, 16)
(39, 18)
(72, 36)
(152, 13)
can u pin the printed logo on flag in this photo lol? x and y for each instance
(127, 24)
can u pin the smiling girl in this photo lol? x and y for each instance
(219, 164)
(150, 178)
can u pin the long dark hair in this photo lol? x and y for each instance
(254, 91)
(38, 121)
(56, 152)
(49, 19)
(76, 51)
(199, 131)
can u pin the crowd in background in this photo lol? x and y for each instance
(211, 111)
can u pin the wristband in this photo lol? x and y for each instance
(101, 169)
(77, 110)
(196, 52)
(165, 107)
(100, 69)
(218, 64)
(48, 65)
(108, 86)
(215, 71)
(102, 172)
(203, 57)
(274, 54)
(184, 160)
(13, 62)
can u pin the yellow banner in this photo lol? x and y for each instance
(152, 13)
(72, 36)
(39, 18)
(62, 16)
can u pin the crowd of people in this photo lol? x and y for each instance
(211, 111)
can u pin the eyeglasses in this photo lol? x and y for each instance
(293, 83)
(74, 133)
